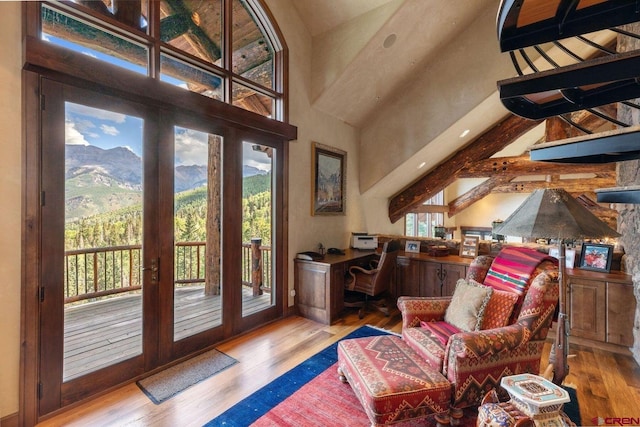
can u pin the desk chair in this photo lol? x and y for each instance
(364, 284)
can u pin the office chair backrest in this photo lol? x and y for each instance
(386, 267)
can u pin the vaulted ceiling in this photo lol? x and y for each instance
(366, 77)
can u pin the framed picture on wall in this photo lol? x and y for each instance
(596, 257)
(328, 180)
(469, 246)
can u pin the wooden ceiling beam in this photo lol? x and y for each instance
(574, 186)
(521, 165)
(483, 147)
(476, 193)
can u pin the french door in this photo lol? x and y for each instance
(144, 220)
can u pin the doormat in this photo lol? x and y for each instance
(166, 384)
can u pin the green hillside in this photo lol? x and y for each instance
(123, 225)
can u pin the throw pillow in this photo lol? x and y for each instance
(468, 304)
(499, 309)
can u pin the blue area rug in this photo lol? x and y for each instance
(259, 403)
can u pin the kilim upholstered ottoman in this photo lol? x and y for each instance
(392, 381)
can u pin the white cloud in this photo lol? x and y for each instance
(83, 110)
(109, 130)
(72, 136)
(191, 147)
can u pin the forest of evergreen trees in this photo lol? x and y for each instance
(123, 227)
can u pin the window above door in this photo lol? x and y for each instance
(226, 50)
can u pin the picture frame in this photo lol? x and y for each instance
(595, 256)
(469, 246)
(328, 180)
(412, 246)
(569, 256)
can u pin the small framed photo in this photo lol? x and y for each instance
(469, 246)
(596, 257)
(569, 256)
(412, 246)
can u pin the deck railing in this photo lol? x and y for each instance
(97, 272)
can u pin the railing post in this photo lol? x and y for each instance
(256, 266)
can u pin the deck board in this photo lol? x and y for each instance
(98, 334)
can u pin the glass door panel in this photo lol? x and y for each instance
(258, 289)
(197, 232)
(103, 207)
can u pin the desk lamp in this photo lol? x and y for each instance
(554, 213)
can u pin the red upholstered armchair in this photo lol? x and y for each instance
(506, 340)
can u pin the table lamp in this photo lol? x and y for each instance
(555, 214)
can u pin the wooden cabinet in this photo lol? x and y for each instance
(319, 285)
(587, 308)
(427, 276)
(602, 306)
(621, 309)
(451, 273)
(408, 277)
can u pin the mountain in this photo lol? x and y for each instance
(251, 171)
(98, 180)
(189, 177)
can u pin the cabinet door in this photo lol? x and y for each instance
(621, 308)
(431, 283)
(587, 308)
(431, 279)
(407, 277)
(451, 273)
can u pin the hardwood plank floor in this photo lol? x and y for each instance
(608, 384)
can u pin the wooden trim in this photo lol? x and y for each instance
(30, 306)
(10, 420)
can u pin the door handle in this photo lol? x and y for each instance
(153, 268)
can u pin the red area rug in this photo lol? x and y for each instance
(326, 401)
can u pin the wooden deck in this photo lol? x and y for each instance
(98, 334)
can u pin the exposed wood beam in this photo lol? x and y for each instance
(573, 186)
(476, 193)
(521, 165)
(445, 173)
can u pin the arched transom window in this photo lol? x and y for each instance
(223, 49)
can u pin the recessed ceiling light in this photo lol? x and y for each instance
(464, 133)
(421, 165)
(389, 41)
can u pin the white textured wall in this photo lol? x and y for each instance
(10, 211)
(305, 230)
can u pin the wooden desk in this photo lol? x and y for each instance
(319, 285)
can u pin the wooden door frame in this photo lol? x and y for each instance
(32, 250)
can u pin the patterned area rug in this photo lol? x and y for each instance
(311, 395)
(166, 384)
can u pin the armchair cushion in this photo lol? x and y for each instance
(468, 305)
(430, 341)
(499, 309)
(422, 309)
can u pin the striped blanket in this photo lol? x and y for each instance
(513, 268)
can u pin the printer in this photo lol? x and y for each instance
(364, 241)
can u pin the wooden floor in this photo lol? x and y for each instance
(101, 333)
(608, 384)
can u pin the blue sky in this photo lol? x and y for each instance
(105, 129)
